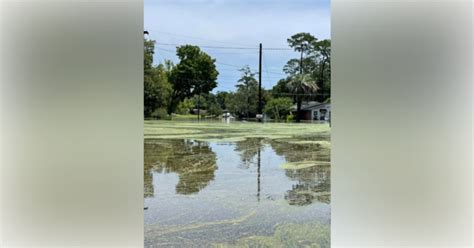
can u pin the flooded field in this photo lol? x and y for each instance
(215, 184)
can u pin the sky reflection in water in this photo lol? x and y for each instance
(195, 190)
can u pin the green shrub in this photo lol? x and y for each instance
(278, 108)
(184, 106)
(160, 113)
(290, 117)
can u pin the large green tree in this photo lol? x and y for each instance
(322, 51)
(315, 60)
(148, 51)
(301, 85)
(194, 74)
(280, 89)
(221, 97)
(157, 89)
(245, 100)
(304, 44)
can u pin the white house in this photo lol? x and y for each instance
(315, 111)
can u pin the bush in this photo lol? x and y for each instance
(184, 106)
(278, 108)
(160, 113)
(290, 117)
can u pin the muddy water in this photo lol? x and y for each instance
(237, 193)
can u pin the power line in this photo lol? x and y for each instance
(229, 47)
(266, 68)
(253, 69)
(237, 67)
(195, 37)
(166, 50)
(226, 64)
(206, 46)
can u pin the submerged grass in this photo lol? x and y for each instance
(203, 225)
(288, 235)
(235, 131)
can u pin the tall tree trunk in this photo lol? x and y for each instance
(170, 105)
(248, 105)
(301, 61)
(298, 109)
(320, 97)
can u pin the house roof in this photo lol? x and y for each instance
(315, 105)
(311, 105)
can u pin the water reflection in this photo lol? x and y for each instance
(313, 185)
(248, 149)
(193, 161)
(195, 164)
(300, 152)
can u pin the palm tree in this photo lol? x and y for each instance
(300, 85)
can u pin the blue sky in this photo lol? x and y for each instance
(235, 23)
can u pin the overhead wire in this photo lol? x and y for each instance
(196, 38)
(229, 47)
(266, 71)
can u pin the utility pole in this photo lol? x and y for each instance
(260, 82)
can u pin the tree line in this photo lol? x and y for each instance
(187, 86)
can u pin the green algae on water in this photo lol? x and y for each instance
(288, 235)
(303, 164)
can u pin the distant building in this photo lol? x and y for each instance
(226, 114)
(315, 111)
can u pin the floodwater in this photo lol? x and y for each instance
(268, 191)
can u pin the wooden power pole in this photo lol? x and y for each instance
(260, 82)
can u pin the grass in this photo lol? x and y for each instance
(185, 117)
(234, 131)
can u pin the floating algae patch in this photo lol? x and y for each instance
(207, 129)
(204, 224)
(288, 235)
(303, 164)
(319, 143)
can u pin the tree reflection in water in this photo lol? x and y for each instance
(300, 152)
(193, 161)
(195, 164)
(248, 150)
(313, 183)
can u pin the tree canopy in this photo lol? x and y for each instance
(194, 74)
(300, 85)
(157, 88)
(245, 101)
